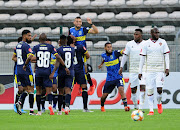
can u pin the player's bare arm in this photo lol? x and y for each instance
(167, 63)
(14, 58)
(74, 38)
(142, 60)
(94, 29)
(56, 65)
(100, 66)
(35, 35)
(27, 61)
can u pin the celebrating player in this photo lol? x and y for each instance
(132, 50)
(156, 52)
(43, 53)
(113, 79)
(65, 80)
(25, 77)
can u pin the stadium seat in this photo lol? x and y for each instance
(29, 3)
(45, 30)
(134, 2)
(70, 16)
(19, 31)
(152, 2)
(56, 31)
(34, 43)
(91, 15)
(99, 3)
(54, 16)
(100, 29)
(89, 44)
(47, 3)
(175, 15)
(159, 15)
(116, 3)
(167, 29)
(169, 2)
(64, 3)
(124, 15)
(113, 30)
(119, 44)
(141, 15)
(36, 17)
(2, 44)
(81, 3)
(8, 30)
(4, 17)
(106, 16)
(1, 3)
(99, 44)
(11, 45)
(18, 17)
(13, 3)
(130, 29)
(54, 43)
(146, 29)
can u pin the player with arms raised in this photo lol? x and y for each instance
(156, 52)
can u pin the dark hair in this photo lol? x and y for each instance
(63, 37)
(19, 39)
(48, 39)
(78, 17)
(107, 43)
(69, 40)
(138, 29)
(25, 32)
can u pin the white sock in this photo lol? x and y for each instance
(150, 102)
(134, 99)
(159, 97)
(141, 99)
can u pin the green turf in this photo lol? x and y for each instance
(111, 119)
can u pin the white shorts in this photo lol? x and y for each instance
(134, 80)
(154, 79)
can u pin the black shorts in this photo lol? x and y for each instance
(25, 80)
(80, 77)
(54, 80)
(43, 81)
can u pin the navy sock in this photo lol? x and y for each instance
(55, 99)
(85, 97)
(38, 100)
(17, 97)
(67, 99)
(22, 98)
(43, 99)
(64, 101)
(124, 102)
(50, 98)
(60, 101)
(31, 100)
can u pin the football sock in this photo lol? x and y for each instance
(159, 97)
(43, 99)
(141, 99)
(102, 101)
(85, 97)
(124, 102)
(150, 102)
(38, 100)
(31, 100)
(60, 101)
(67, 100)
(22, 98)
(55, 99)
(17, 96)
(134, 99)
(50, 98)
(64, 101)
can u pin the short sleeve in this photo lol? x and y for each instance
(86, 30)
(127, 50)
(34, 50)
(118, 53)
(28, 49)
(15, 51)
(54, 52)
(165, 48)
(143, 50)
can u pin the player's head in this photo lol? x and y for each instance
(138, 35)
(63, 40)
(19, 39)
(26, 36)
(48, 41)
(108, 47)
(155, 33)
(42, 38)
(69, 40)
(78, 22)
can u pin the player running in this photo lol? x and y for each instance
(43, 53)
(156, 52)
(132, 50)
(113, 79)
(79, 70)
(65, 81)
(25, 77)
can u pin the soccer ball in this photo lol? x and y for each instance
(137, 115)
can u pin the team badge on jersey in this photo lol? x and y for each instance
(111, 56)
(30, 50)
(160, 43)
(80, 33)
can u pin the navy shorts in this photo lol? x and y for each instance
(80, 77)
(25, 80)
(43, 81)
(54, 80)
(65, 81)
(110, 85)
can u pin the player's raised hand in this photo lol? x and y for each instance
(140, 76)
(24, 68)
(89, 20)
(120, 71)
(67, 71)
(100, 66)
(167, 72)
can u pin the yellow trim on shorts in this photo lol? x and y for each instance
(123, 81)
(31, 78)
(14, 53)
(85, 76)
(85, 60)
(15, 78)
(86, 52)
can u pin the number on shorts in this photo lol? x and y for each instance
(121, 81)
(44, 58)
(75, 60)
(68, 59)
(19, 57)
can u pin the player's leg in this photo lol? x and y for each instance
(142, 83)
(103, 99)
(43, 99)
(55, 95)
(60, 100)
(134, 97)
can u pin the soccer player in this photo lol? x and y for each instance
(65, 81)
(156, 52)
(79, 70)
(132, 50)
(43, 53)
(25, 77)
(113, 79)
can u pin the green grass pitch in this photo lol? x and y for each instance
(111, 119)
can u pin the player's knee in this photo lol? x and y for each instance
(159, 90)
(83, 86)
(121, 89)
(150, 91)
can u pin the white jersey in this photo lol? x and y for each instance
(154, 52)
(132, 50)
